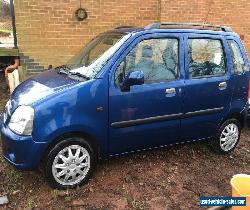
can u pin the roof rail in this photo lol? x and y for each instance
(120, 27)
(158, 25)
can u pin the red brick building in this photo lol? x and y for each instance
(49, 33)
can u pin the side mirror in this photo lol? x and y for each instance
(133, 78)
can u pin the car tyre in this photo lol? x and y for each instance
(228, 137)
(70, 163)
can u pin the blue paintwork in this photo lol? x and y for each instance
(147, 100)
(21, 151)
(202, 94)
(63, 105)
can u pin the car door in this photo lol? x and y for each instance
(147, 115)
(208, 86)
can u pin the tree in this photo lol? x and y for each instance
(5, 9)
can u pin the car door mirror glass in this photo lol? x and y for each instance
(135, 77)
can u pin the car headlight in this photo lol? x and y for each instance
(21, 121)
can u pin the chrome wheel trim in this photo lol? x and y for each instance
(71, 165)
(229, 137)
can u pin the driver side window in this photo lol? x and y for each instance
(157, 58)
(206, 58)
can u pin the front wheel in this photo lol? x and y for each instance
(227, 137)
(69, 164)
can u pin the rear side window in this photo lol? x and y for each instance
(238, 62)
(206, 58)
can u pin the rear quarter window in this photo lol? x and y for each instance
(237, 59)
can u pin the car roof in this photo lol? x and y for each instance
(203, 29)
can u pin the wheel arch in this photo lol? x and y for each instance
(90, 139)
(235, 115)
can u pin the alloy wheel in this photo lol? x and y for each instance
(71, 165)
(229, 137)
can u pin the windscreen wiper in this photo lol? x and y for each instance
(63, 69)
(66, 70)
(80, 75)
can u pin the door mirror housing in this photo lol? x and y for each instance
(135, 77)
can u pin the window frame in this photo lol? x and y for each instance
(232, 55)
(139, 40)
(223, 47)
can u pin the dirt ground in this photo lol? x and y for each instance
(173, 178)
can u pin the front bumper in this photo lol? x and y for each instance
(21, 151)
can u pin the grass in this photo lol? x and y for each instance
(5, 31)
(30, 203)
(138, 205)
(67, 199)
(14, 175)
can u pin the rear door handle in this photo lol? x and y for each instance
(170, 91)
(222, 85)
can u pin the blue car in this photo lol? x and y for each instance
(129, 90)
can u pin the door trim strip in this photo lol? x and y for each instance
(129, 123)
(203, 112)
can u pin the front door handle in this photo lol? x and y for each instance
(170, 91)
(222, 85)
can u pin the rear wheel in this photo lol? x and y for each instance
(227, 137)
(69, 163)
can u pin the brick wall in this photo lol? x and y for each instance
(48, 32)
(233, 13)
